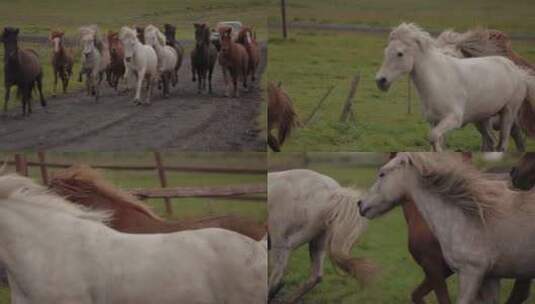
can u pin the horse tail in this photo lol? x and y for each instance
(344, 227)
(526, 114)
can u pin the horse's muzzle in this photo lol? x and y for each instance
(382, 84)
(128, 59)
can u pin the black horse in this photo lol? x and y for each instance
(203, 57)
(21, 68)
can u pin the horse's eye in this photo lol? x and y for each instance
(381, 175)
(400, 54)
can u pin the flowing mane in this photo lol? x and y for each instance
(25, 191)
(411, 33)
(127, 33)
(153, 30)
(460, 183)
(81, 180)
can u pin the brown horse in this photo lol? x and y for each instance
(62, 60)
(140, 34)
(203, 57)
(83, 185)
(281, 115)
(234, 60)
(426, 251)
(247, 38)
(116, 69)
(170, 33)
(22, 69)
(523, 174)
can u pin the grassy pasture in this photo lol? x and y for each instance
(183, 208)
(311, 61)
(385, 242)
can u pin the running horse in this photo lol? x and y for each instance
(234, 62)
(281, 115)
(84, 186)
(203, 58)
(62, 60)
(247, 38)
(116, 68)
(169, 32)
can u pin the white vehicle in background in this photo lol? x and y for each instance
(216, 38)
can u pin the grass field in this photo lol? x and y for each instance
(385, 242)
(310, 62)
(183, 208)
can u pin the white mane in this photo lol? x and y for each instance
(411, 33)
(153, 30)
(25, 191)
(127, 33)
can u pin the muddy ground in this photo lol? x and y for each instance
(184, 121)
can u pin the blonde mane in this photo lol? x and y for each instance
(460, 183)
(27, 192)
(127, 33)
(411, 33)
(151, 29)
(80, 179)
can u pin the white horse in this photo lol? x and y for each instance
(95, 58)
(167, 56)
(56, 252)
(455, 92)
(307, 207)
(140, 60)
(485, 230)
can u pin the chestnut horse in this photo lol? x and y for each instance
(62, 60)
(426, 251)
(21, 69)
(247, 38)
(116, 68)
(203, 57)
(234, 60)
(84, 186)
(281, 115)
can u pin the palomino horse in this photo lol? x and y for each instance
(167, 56)
(281, 115)
(85, 186)
(203, 57)
(484, 228)
(454, 91)
(62, 60)
(140, 60)
(307, 207)
(116, 68)
(234, 61)
(84, 261)
(483, 42)
(22, 69)
(169, 31)
(95, 59)
(247, 38)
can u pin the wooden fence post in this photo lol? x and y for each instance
(42, 165)
(284, 24)
(347, 111)
(163, 180)
(21, 165)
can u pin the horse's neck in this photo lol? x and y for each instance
(426, 65)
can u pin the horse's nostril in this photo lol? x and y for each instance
(381, 80)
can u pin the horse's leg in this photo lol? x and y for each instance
(210, 73)
(141, 76)
(436, 135)
(489, 293)
(421, 291)
(506, 124)
(40, 89)
(469, 285)
(487, 138)
(225, 80)
(279, 259)
(55, 83)
(150, 85)
(7, 88)
(316, 250)
(518, 137)
(520, 292)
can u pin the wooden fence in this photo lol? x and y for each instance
(242, 192)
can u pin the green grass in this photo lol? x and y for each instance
(310, 62)
(385, 242)
(183, 208)
(510, 16)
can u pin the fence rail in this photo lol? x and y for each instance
(238, 192)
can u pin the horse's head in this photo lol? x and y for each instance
(245, 36)
(226, 39)
(202, 34)
(129, 39)
(10, 40)
(170, 31)
(114, 43)
(153, 36)
(405, 42)
(388, 189)
(56, 38)
(87, 40)
(523, 174)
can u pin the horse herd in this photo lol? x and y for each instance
(460, 220)
(93, 243)
(146, 56)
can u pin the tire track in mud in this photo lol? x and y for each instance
(185, 121)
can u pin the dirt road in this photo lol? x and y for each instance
(185, 121)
